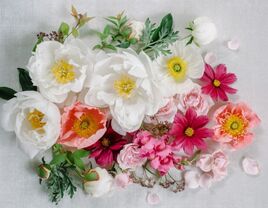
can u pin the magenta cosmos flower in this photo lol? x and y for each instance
(216, 83)
(189, 132)
(106, 149)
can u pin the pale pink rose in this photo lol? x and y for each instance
(250, 166)
(122, 180)
(195, 99)
(130, 157)
(164, 114)
(81, 126)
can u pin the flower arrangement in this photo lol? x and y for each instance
(142, 106)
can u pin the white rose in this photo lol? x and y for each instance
(204, 30)
(35, 121)
(57, 69)
(137, 29)
(100, 186)
(123, 83)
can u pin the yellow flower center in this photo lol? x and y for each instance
(105, 142)
(235, 125)
(177, 68)
(124, 86)
(85, 126)
(189, 132)
(35, 120)
(63, 72)
(216, 83)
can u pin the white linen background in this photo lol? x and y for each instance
(20, 20)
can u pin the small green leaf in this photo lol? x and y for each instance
(111, 47)
(97, 47)
(75, 32)
(92, 175)
(133, 41)
(80, 153)
(7, 93)
(190, 40)
(106, 30)
(124, 45)
(26, 81)
(79, 163)
(64, 28)
(39, 40)
(126, 32)
(57, 159)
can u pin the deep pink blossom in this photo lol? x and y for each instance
(216, 83)
(189, 132)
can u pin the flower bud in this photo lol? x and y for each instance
(43, 171)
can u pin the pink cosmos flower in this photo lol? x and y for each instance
(130, 157)
(216, 83)
(194, 99)
(215, 163)
(233, 125)
(81, 126)
(189, 132)
(106, 149)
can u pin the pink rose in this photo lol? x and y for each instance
(166, 113)
(194, 98)
(81, 126)
(129, 157)
(122, 180)
(215, 163)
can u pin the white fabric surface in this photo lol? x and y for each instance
(20, 20)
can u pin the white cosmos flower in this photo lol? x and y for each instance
(123, 83)
(57, 69)
(175, 71)
(35, 121)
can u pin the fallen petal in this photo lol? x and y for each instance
(191, 179)
(250, 166)
(152, 198)
(233, 44)
(206, 180)
(210, 58)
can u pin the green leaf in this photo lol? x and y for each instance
(26, 81)
(64, 28)
(190, 40)
(92, 175)
(58, 159)
(7, 93)
(124, 45)
(81, 153)
(39, 40)
(111, 47)
(79, 163)
(75, 32)
(106, 30)
(165, 25)
(97, 47)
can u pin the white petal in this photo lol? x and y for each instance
(192, 179)
(206, 180)
(250, 166)
(152, 198)
(233, 44)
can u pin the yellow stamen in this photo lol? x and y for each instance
(235, 125)
(35, 120)
(189, 132)
(105, 142)
(177, 68)
(216, 83)
(63, 72)
(85, 126)
(124, 86)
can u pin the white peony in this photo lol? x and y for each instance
(137, 29)
(57, 69)
(123, 83)
(35, 120)
(204, 30)
(101, 186)
(175, 71)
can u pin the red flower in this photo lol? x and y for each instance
(189, 131)
(216, 83)
(106, 149)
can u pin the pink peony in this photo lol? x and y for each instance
(194, 99)
(233, 125)
(81, 126)
(189, 131)
(122, 180)
(216, 83)
(130, 157)
(215, 163)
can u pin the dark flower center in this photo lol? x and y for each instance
(105, 142)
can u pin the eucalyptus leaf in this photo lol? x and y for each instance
(26, 81)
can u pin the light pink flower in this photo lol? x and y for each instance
(166, 113)
(215, 163)
(81, 126)
(122, 180)
(194, 98)
(130, 157)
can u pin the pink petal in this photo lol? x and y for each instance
(209, 71)
(233, 44)
(228, 89)
(200, 121)
(105, 159)
(222, 94)
(191, 179)
(250, 166)
(190, 115)
(207, 89)
(228, 79)
(220, 71)
(152, 198)
(206, 180)
(210, 58)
